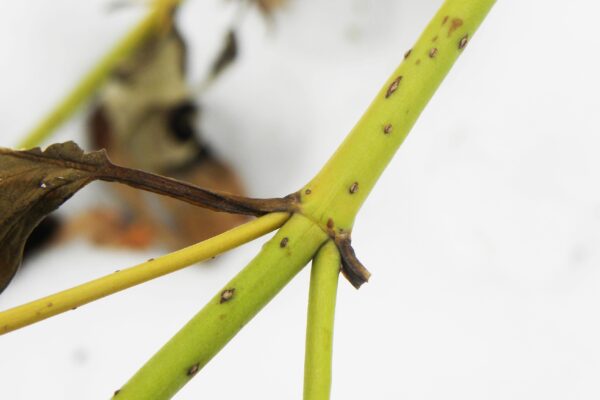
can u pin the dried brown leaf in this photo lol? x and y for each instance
(34, 183)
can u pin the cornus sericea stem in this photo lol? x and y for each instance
(319, 326)
(231, 308)
(327, 208)
(69, 299)
(94, 78)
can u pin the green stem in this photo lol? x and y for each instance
(330, 203)
(232, 307)
(338, 191)
(319, 328)
(94, 78)
(77, 296)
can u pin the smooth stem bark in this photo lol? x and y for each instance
(319, 327)
(232, 307)
(94, 78)
(69, 299)
(330, 203)
(335, 195)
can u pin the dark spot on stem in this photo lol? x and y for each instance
(49, 304)
(193, 370)
(387, 129)
(407, 53)
(353, 188)
(116, 392)
(433, 52)
(445, 20)
(418, 61)
(307, 192)
(393, 86)
(463, 42)
(150, 259)
(456, 23)
(226, 295)
(434, 38)
(284, 242)
(330, 223)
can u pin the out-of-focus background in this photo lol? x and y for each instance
(482, 235)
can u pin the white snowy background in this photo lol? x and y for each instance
(482, 235)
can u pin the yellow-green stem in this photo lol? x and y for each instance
(341, 187)
(232, 307)
(329, 202)
(319, 327)
(69, 299)
(94, 78)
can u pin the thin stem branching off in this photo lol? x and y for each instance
(227, 313)
(69, 299)
(324, 213)
(319, 327)
(327, 207)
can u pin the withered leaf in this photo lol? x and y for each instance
(34, 183)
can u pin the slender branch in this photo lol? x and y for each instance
(69, 299)
(232, 307)
(335, 195)
(94, 78)
(319, 327)
(329, 202)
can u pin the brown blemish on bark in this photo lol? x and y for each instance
(150, 259)
(434, 38)
(116, 392)
(307, 192)
(284, 242)
(330, 223)
(463, 42)
(393, 86)
(193, 370)
(454, 25)
(387, 129)
(354, 188)
(407, 53)
(433, 52)
(418, 61)
(226, 295)
(49, 304)
(445, 20)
